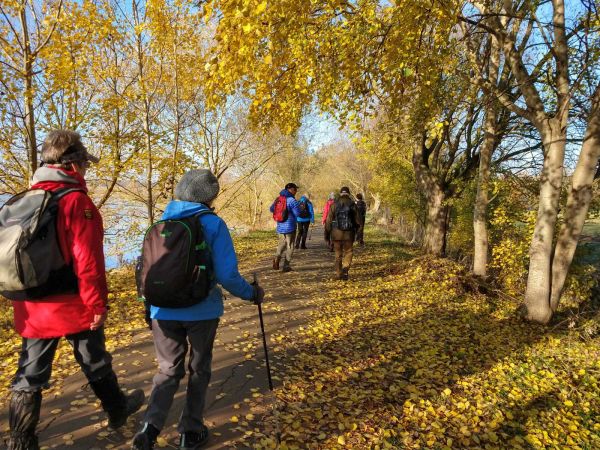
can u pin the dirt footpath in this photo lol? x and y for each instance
(238, 394)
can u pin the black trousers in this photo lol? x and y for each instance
(35, 360)
(360, 234)
(302, 234)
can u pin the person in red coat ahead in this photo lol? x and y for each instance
(78, 312)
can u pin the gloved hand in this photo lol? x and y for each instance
(259, 294)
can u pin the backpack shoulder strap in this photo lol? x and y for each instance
(205, 212)
(195, 218)
(60, 193)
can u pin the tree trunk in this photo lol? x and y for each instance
(434, 242)
(150, 167)
(377, 202)
(578, 202)
(436, 223)
(415, 232)
(178, 126)
(29, 119)
(480, 228)
(537, 295)
(118, 165)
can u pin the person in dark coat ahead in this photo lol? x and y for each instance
(361, 206)
(342, 224)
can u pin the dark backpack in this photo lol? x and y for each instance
(175, 269)
(31, 263)
(304, 210)
(280, 211)
(343, 216)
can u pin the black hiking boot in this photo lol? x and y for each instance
(23, 441)
(286, 268)
(23, 417)
(344, 275)
(276, 261)
(117, 405)
(192, 441)
(145, 438)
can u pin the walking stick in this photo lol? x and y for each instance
(264, 339)
(310, 232)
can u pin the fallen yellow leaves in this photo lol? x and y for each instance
(412, 358)
(405, 356)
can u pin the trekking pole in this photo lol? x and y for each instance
(264, 338)
(310, 232)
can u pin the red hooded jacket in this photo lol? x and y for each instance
(326, 210)
(81, 239)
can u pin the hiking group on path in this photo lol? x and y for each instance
(343, 219)
(52, 268)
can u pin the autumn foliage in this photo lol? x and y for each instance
(411, 353)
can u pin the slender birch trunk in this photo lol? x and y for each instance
(537, 295)
(578, 202)
(480, 227)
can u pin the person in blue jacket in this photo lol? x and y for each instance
(287, 229)
(304, 219)
(174, 330)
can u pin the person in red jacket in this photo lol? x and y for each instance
(78, 311)
(326, 208)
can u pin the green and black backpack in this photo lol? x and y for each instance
(175, 269)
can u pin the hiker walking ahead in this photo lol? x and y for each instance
(194, 326)
(285, 212)
(361, 207)
(72, 302)
(326, 209)
(343, 221)
(304, 219)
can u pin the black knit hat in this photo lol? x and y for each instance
(345, 190)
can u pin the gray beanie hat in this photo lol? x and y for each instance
(198, 186)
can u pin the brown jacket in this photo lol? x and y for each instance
(330, 228)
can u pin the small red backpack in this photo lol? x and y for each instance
(280, 211)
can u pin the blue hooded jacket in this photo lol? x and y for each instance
(289, 226)
(225, 267)
(311, 211)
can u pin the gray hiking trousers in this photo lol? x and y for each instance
(285, 247)
(35, 360)
(171, 341)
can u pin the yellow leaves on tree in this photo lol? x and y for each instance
(286, 54)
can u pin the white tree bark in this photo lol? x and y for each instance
(578, 202)
(434, 242)
(537, 295)
(480, 228)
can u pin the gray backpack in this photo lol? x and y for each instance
(31, 263)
